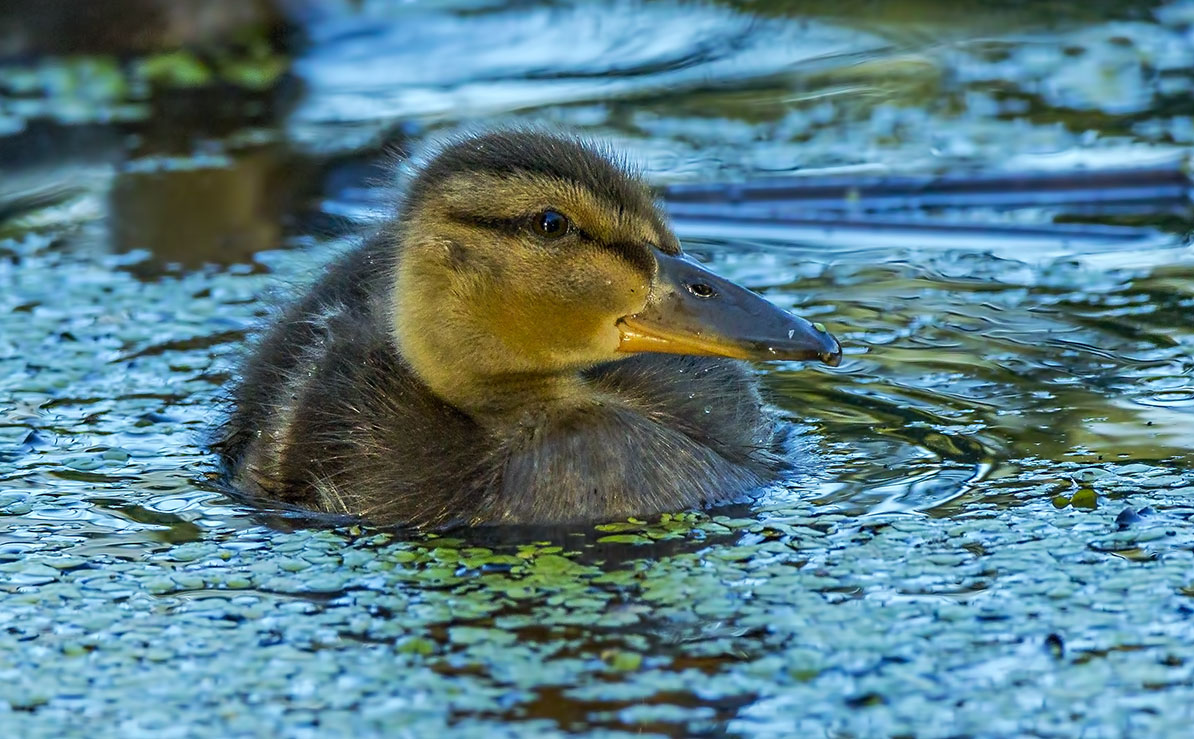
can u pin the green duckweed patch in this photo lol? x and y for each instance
(102, 89)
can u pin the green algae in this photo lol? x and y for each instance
(175, 69)
(100, 89)
(1084, 498)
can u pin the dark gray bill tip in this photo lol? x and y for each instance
(832, 358)
(806, 341)
(831, 353)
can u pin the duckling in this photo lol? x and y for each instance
(523, 343)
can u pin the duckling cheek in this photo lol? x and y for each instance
(583, 346)
(635, 300)
(607, 337)
(617, 294)
(607, 340)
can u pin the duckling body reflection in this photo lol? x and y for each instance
(524, 343)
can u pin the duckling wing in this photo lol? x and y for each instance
(271, 376)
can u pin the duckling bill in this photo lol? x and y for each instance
(693, 311)
(524, 343)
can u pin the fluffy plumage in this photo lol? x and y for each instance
(389, 391)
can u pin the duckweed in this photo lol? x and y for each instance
(951, 557)
(1084, 498)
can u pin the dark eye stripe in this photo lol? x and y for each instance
(511, 225)
(636, 255)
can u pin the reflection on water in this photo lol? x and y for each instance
(153, 207)
(1007, 341)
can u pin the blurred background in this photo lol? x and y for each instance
(236, 119)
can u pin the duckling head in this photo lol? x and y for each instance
(524, 258)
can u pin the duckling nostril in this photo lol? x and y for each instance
(701, 290)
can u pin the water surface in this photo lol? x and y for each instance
(993, 537)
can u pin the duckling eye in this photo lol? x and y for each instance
(551, 224)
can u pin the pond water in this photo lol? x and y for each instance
(993, 536)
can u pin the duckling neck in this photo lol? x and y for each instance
(498, 398)
(472, 377)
